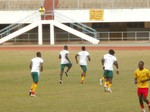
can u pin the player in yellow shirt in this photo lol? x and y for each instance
(42, 10)
(141, 78)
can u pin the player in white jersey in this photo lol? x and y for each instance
(65, 62)
(83, 57)
(36, 67)
(108, 61)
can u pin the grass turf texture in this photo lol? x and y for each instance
(15, 81)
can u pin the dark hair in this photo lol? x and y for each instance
(83, 48)
(111, 51)
(141, 62)
(65, 47)
(38, 54)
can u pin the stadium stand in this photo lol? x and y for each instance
(73, 4)
(67, 4)
(115, 4)
(19, 4)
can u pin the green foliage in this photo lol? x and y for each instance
(15, 81)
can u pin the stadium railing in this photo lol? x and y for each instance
(78, 26)
(102, 36)
(23, 22)
(18, 25)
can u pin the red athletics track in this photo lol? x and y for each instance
(71, 47)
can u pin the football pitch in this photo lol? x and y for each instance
(71, 96)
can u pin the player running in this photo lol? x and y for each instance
(83, 57)
(65, 62)
(36, 67)
(108, 60)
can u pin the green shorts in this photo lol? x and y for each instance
(35, 76)
(84, 68)
(62, 66)
(108, 73)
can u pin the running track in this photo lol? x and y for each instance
(71, 47)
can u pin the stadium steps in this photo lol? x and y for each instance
(18, 32)
(76, 32)
(19, 28)
(55, 23)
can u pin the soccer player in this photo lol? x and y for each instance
(108, 60)
(141, 78)
(65, 62)
(36, 67)
(83, 57)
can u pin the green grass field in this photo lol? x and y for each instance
(15, 81)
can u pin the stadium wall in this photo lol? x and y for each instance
(109, 15)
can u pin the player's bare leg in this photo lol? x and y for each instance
(61, 74)
(83, 77)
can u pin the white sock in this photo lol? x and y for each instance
(143, 110)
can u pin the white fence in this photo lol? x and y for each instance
(102, 36)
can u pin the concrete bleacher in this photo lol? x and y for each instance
(19, 4)
(73, 4)
(116, 4)
(67, 3)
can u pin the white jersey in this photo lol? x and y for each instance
(63, 56)
(36, 64)
(83, 57)
(109, 61)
